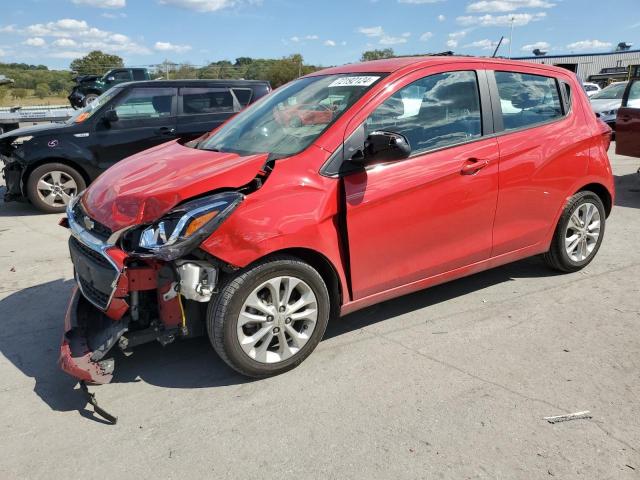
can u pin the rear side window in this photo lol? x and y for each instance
(207, 100)
(527, 99)
(243, 95)
(139, 75)
(433, 112)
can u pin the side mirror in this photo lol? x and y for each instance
(111, 116)
(382, 146)
(111, 79)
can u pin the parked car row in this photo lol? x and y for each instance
(50, 163)
(344, 188)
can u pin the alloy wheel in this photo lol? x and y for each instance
(277, 319)
(56, 188)
(582, 232)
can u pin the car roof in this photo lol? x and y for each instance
(390, 65)
(193, 83)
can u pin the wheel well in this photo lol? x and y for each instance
(326, 270)
(44, 161)
(602, 192)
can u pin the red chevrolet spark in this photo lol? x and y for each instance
(424, 170)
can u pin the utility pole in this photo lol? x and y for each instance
(511, 37)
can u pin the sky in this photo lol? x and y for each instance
(325, 32)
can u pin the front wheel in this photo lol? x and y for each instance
(51, 186)
(268, 318)
(89, 98)
(579, 233)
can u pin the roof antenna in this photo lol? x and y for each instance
(497, 47)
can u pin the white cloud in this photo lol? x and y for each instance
(113, 16)
(311, 37)
(426, 36)
(295, 39)
(170, 47)
(205, 5)
(441, 18)
(371, 31)
(2, 53)
(455, 37)
(588, 45)
(507, 5)
(102, 3)
(329, 43)
(64, 42)
(486, 44)
(391, 40)
(519, 19)
(8, 29)
(35, 42)
(419, 2)
(539, 45)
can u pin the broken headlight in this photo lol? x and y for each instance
(183, 228)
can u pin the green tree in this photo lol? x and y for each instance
(96, 63)
(42, 90)
(377, 54)
(19, 93)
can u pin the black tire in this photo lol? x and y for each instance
(34, 195)
(88, 98)
(224, 309)
(557, 256)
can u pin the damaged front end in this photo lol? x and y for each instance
(137, 285)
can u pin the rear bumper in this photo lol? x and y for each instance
(88, 337)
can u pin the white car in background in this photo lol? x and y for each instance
(606, 102)
(591, 88)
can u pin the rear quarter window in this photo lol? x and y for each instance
(527, 100)
(207, 100)
(243, 95)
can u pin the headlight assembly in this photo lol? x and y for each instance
(183, 228)
(21, 140)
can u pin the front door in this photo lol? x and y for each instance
(146, 118)
(628, 121)
(432, 212)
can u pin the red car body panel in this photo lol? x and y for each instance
(145, 186)
(393, 228)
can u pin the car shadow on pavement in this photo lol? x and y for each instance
(33, 323)
(628, 190)
(16, 209)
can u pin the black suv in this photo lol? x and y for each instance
(90, 87)
(50, 163)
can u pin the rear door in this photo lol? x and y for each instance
(628, 121)
(201, 109)
(146, 117)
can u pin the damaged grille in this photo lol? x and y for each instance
(96, 276)
(96, 228)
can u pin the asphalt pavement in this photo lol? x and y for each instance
(451, 382)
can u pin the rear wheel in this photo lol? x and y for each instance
(269, 318)
(51, 186)
(579, 233)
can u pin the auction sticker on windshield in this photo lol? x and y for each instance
(360, 81)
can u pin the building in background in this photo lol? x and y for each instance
(600, 68)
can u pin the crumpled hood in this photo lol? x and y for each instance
(145, 186)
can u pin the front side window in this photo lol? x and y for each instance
(139, 75)
(120, 76)
(292, 117)
(634, 95)
(527, 99)
(144, 103)
(434, 112)
(88, 111)
(207, 100)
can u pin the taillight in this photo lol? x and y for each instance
(606, 139)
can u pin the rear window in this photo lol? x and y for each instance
(139, 75)
(527, 100)
(207, 100)
(243, 95)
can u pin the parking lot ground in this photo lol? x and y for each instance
(451, 382)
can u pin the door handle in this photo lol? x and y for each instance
(473, 165)
(166, 131)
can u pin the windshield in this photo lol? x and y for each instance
(612, 92)
(84, 113)
(288, 120)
